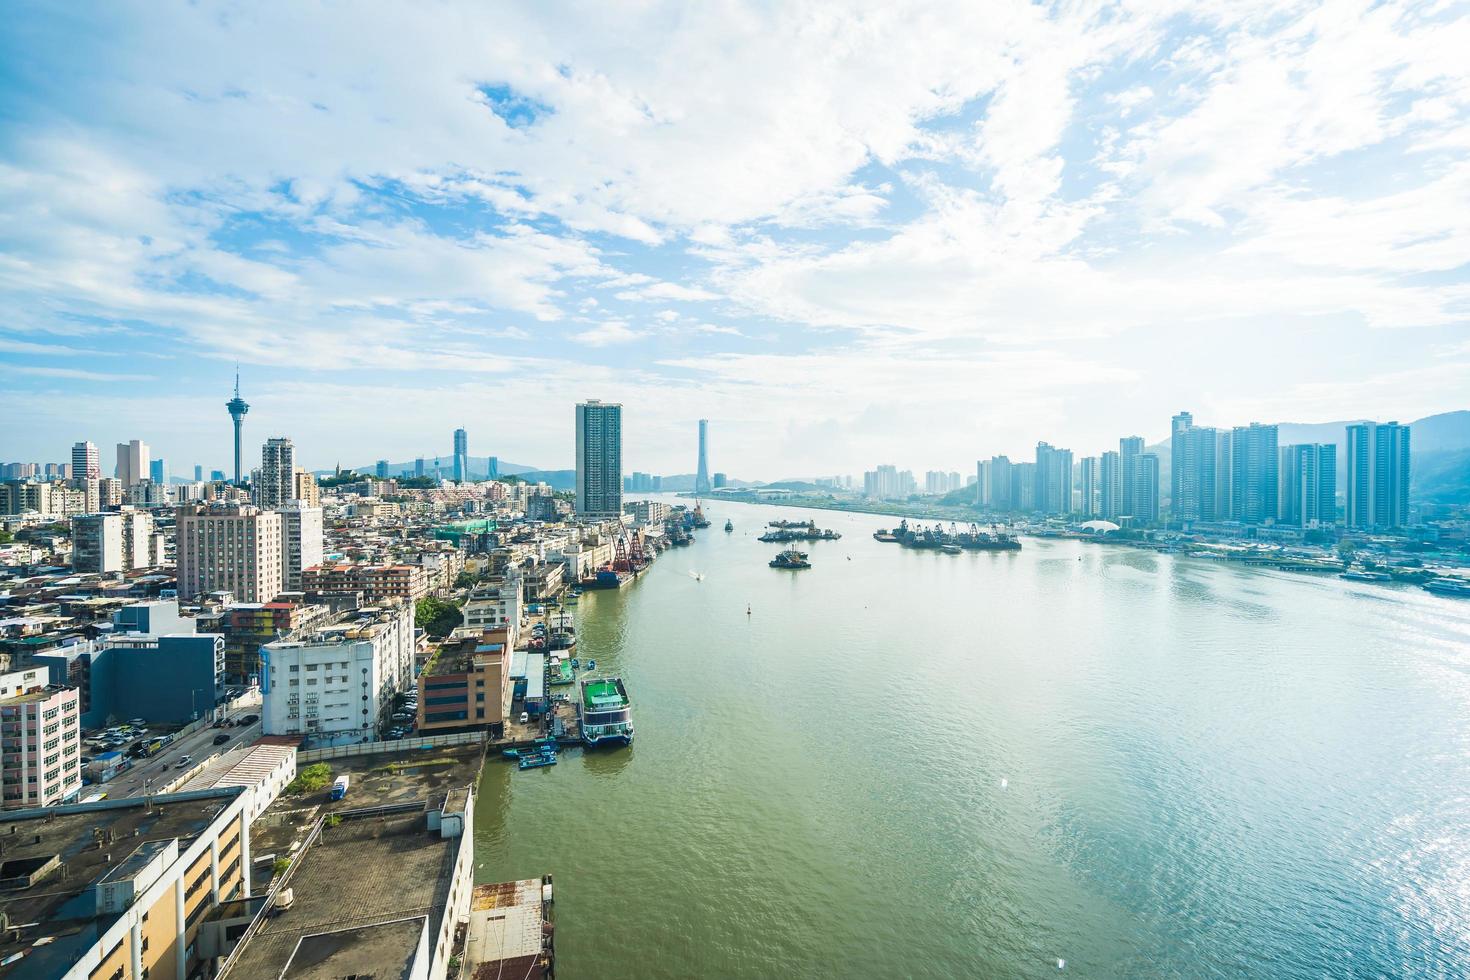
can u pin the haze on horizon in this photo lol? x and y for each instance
(846, 234)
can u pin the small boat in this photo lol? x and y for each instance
(511, 753)
(951, 549)
(729, 527)
(747, 609)
(575, 663)
(592, 665)
(1363, 575)
(536, 760)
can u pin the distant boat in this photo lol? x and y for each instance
(1455, 587)
(1363, 575)
(729, 527)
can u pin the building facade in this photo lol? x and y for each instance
(230, 547)
(1255, 480)
(1053, 479)
(301, 542)
(85, 462)
(599, 459)
(336, 683)
(134, 463)
(461, 456)
(277, 483)
(1308, 476)
(1377, 475)
(40, 740)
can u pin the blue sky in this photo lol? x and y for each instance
(845, 233)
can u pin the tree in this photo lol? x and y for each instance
(437, 617)
(465, 580)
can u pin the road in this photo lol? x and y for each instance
(199, 746)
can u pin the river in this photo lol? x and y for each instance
(912, 764)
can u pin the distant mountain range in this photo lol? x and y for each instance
(1440, 447)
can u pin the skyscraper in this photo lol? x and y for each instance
(418, 467)
(198, 473)
(1129, 449)
(1053, 491)
(85, 463)
(277, 473)
(701, 473)
(599, 459)
(133, 463)
(1377, 475)
(1308, 485)
(1110, 485)
(237, 409)
(381, 470)
(1193, 471)
(461, 456)
(158, 471)
(1254, 473)
(1144, 505)
(1089, 476)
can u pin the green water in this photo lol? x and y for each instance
(910, 764)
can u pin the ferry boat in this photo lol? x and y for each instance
(1363, 575)
(729, 526)
(1455, 587)
(605, 712)
(791, 558)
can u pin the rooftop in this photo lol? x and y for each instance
(91, 840)
(363, 873)
(460, 657)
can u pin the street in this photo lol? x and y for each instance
(199, 746)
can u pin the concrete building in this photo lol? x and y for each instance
(122, 541)
(277, 483)
(301, 542)
(495, 606)
(1308, 485)
(1110, 486)
(40, 741)
(85, 463)
(701, 472)
(1053, 479)
(336, 683)
(246, 627)
(407, 582)
(461, 456)
(229, 547)
(128, 888)
(1089, 478)
(599, 459)
(1377, 475)
(379, 894)
(305, 488)
(165, 679)
(467, 685)
(1255, 485)
(133, 462)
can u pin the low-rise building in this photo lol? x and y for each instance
(466, 685)
(406, 582)
(128, 888)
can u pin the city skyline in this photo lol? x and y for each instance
(1076, 222)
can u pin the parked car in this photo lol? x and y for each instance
(221, 738)
(525, 717)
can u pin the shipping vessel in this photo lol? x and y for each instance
(605, 711)
(791, 558)
(1458, 588)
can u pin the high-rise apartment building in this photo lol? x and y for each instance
(305, 488)
(1254, 473)
(133, 462)
(1053, 490)
(1308, 485)
(461, 456)
(599, 459)
(277, 483)
(301, 541)
(701, 472)
(1194, 472)
(1377, 475)
(1110, 486)
(231, 547)
(85, 463)
(1144, 504)
(123, 541)
(1089, 479)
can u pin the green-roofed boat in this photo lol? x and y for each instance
(607, 717)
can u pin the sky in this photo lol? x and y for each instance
(846, 233)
